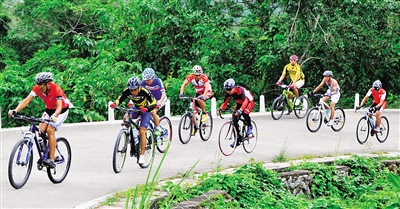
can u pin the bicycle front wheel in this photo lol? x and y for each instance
(339, 119)
(206, 128)
(362, 130)
(149, 149)
(62, 159)
(383, 135)
(185, 128)
(249, 143)
(302, 107)
(166, 137)
(227, 139)
(314, 120)
(278, 107)
(20, 164)
(120, 150)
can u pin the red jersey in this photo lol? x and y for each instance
(50, 99)
(242, 96)
(199, 85)
(378, 95)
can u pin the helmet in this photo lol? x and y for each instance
(294, 57)
(328, 73)
(148, 74)
(229, 84)
(133, 83)
(377, 85)
(197, 70)
(44, 77)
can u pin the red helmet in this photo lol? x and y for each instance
(294, 57)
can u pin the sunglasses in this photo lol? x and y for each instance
(40, 84)
(292, 60)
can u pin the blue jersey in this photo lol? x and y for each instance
(156, 87)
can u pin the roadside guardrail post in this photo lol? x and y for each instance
(262, 103)
(110, 112)
(356, 100)
(167, 109)
(213, 107)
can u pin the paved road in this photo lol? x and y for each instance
(91, 175)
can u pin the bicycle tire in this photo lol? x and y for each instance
(339, 119)
(314, 120)
(120, 151)
(227, 137)
(206, 128)
(149, 149)
(163, 142)
(278, 107)
(302, 108)
(383, 135)
(185, 128)
(21, 148)
(362, 130)
(250, 143)
(64, 155)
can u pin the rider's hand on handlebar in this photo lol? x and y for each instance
(180, 95)
(113, 105)
(291, 86)
(358, 107)
(372, 109)
(310, 93)
(12, 113)
(53, 118)
(129, 105)
(278, 83)
(143, 109)
(238, 112)
(219, 112)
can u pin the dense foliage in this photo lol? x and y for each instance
(94, 46)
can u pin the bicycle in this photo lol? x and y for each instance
(321, 112)
(165, 137)
(366, 124)
(21, 157)
(185, 124)
(131, 136)
(282, 102)
(228, 136)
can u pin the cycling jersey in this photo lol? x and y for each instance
(244, 99)
(293, 70)
(199, 85)
(50, 99)
(378, 95)
(143, 99)
(156, 87)
(331, 87)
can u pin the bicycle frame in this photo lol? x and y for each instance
(191, 110)
(286, 92)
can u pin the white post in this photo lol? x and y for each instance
(110, 112)
(167, 108)
(213, 107)
(357, 101)
(262, 103)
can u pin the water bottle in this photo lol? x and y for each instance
(42, 147)
(371, 120)
(328, 113)
(135, 133)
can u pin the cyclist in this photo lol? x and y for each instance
(332, 94)
(379, 104)
(202, 85)
(244, 105)
(157, 89)
(57, 106)
(143, 100)
(296, 76)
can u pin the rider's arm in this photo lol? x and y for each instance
(121, 98)
(297, 77)
(364, 100)
(184, 84)
(283, 74)
(24, 103)
(152, 102)
(319, 86)
(59, 107)
(207, 88)
(225, 103)
(334, 87)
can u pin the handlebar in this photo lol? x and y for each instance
(189, 98)
(30, 119)
(230, 111)
(130, 110)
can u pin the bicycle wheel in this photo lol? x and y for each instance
(383, 135)
(185, 128)
(120, 150)
(62, 159)
(20, 163)
(362, 130)
(165, 138)
(314, 120)
(250, 142)
(206, 128)
(339, 119)
(149, 149)
(278, 107)
(302, 108)
(227, 138)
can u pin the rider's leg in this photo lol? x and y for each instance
(378, 119)
(144, 123)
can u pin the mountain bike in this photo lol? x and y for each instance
(300, 106)
(191, 116)
(228, 135)
(165, 137)
(128, 137)
(21, 157)
(366, 125)
(321, 113)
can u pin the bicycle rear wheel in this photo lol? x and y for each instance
(339, 119)
(314, 120)
(250, 142)
(302, 108)
(62, 159)
(362, 131)
(383, 135)
(149, 149)
(120, 150)
(185, 128)
(20, 164)
(278, 107)
(206, 128)
(165, 138)
(227, 139)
